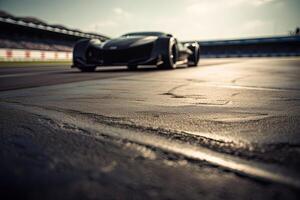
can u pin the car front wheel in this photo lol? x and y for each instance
(132, 67)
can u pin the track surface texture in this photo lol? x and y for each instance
(227, 129)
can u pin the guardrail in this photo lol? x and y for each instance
(34, 55)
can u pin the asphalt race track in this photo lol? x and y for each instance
(227, 129)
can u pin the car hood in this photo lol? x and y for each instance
(127, 42)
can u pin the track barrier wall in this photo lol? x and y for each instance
(256, 47)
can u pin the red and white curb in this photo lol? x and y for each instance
(33, 55)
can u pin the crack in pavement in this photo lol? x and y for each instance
(256, 170)
(236, 86)
(239, 78)
(172, 90)
(220, 102)
(241, 149)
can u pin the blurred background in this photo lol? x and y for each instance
(34, 30)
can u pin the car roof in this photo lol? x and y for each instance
(149, 33)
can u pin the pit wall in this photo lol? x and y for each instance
(33, 55)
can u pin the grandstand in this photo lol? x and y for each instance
(31, 33)
(255, 47)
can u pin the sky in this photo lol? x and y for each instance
(185, 19)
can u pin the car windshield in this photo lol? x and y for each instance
(143, 34)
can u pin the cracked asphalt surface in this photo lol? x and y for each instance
(150, 134)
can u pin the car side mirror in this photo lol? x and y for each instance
(169, 35)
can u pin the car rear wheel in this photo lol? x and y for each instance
(194, 59)
(169, 58)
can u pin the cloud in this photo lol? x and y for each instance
(208, 6)
(208, 17)
(254, 24)
(102, 24)
(202, 7)
(120, 17)
(261, 2)
(196, 19)
(257, 27)
(119, 12)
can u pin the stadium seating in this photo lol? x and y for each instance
(258, 47)
(34, 34)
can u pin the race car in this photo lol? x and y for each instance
(134, 49)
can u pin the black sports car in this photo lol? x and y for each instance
(133, 49)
